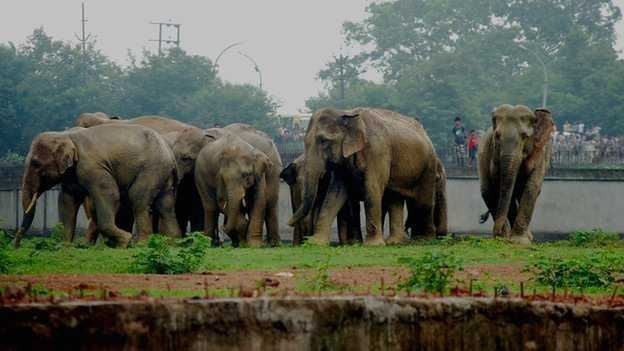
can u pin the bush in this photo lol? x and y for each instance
(157, 256)
(594, 237)
(4, 256)
(595, 271)
(431, 272)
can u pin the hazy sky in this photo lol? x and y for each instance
(289, 39)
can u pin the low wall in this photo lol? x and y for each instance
(564, 205)
(341, 323)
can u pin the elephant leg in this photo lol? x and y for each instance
(68, 205)
(295, 202)
(355, 227)
(397, 228)
(197, 212)
(93, 231)
(440, 213)
(142, 195)
(343, 225)
(425, 202)
(106, 203)
(520, 231)
(271, 219)
(257, 215)
(334, 201)
(373, 209)
(165, 208)
(211, 222)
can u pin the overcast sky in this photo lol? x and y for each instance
(289, 39)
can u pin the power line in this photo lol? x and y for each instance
(160, 39)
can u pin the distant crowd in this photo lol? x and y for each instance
(576, 143)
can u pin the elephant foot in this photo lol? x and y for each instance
(395, 239)
(255, 242)
(375, 240)
(123, 240)
(525, 238)
(321, 240)
(502, 229)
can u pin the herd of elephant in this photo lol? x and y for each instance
(155, 174)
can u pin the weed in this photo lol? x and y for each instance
(595, 271)
(594, 237)
(159, 257)
(431, 272)
(4, 256)
(320, 280)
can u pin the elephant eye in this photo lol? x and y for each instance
(323, 140)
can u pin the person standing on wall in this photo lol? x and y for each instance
(459, 136)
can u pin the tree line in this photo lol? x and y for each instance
(45, 84)
(446, 58)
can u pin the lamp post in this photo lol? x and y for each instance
(256, 67)
(545, 86)
(216, 61)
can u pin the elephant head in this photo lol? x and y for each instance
(333, 137)
(51, 157)
(241, 184)
(520, 137)
(186, 145)
(90, 119)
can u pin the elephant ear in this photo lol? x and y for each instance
(213, 134)
(355, 134)
(543, 126)
(289, 174)
(65, 155)
(262, 164)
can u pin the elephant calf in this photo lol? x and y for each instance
(230, 176)
(104, 162)
(514, 156)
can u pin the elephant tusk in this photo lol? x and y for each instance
(224, 205)
(32, 203)
(244, 203)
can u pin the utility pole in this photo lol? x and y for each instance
(256, 67)
(84, 37)
(160, 39)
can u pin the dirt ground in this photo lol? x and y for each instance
(359, 279)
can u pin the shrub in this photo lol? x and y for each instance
(4, 256)
(159, 257)
(594, 237)
(595, 271)
(431, 272)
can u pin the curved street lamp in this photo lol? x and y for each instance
(256, 67)
(545, 86)
(216, 61)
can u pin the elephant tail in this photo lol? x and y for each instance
(484, 217)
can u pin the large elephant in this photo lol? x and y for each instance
(188, 203)
(106, 163)
(514, 156)
(414, 218)
(380, 149)
(332, 191)
(230, 175)
(262, 142)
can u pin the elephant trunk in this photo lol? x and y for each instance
(314, 171)
(30, 193)
(509, 171)
(235, 223)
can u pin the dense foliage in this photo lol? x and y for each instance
(45, 84)
(431, 272)
(444, 58)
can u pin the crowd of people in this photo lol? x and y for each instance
(465, 146)
(295, 134)
(577, 144)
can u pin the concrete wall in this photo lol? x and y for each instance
(563, 206)
(339, 323)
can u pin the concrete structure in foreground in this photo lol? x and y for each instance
(339, 323)
(565, 205)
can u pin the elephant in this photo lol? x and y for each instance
(413, 223)
(378, 150)
(513, 157)
(230, 175)
(349, 229)
(188, 203)
(106, 163)
(262, 142)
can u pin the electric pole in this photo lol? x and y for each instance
(84, 37)
(160, 39)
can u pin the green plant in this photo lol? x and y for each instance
(431, 272)
(594, 237)
(4, 258)
(160, 257)
(320, 279)
(594, 271)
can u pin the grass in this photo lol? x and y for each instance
(471, 251)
